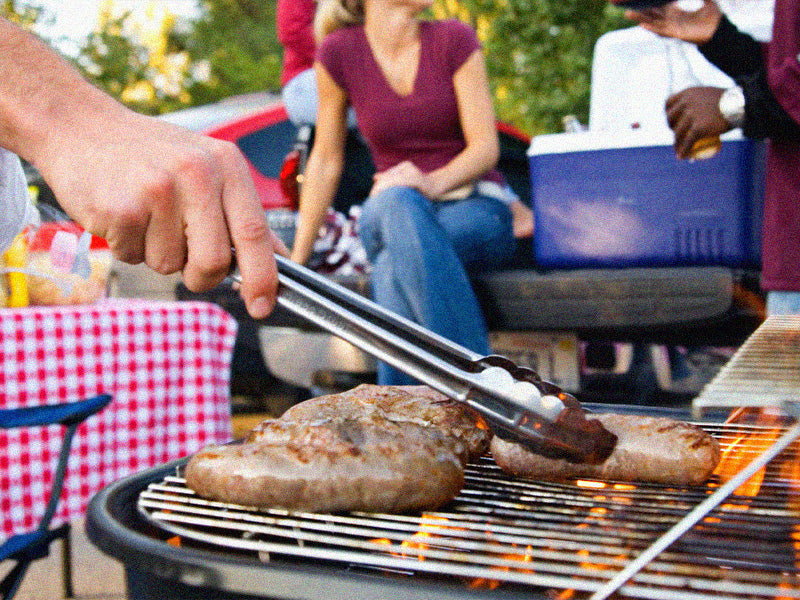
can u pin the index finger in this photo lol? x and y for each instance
(252, 240)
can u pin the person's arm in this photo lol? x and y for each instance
(743, 59)
(694, 113)
(325, 164)
(480, 134)
(156, 192)
(733, 52)
(294, 28)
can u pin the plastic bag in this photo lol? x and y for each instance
(16, 209)
(66, 265)
(56, 263)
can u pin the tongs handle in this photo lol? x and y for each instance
(515, 402)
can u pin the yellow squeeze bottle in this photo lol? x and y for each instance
(17, 257)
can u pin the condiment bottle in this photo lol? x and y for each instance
(16, 257)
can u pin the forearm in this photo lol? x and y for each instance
(321, 179)
(41, 95)
(467, 167)
(733, 52)
(742, 58)
(764, 117)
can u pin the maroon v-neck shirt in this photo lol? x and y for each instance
(424, 126)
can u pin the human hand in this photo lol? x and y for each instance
(405, 174)
(696, 27)
(693, 114)
(165, 196)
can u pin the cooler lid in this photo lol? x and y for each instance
(582, 141)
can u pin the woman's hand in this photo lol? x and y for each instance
(696, 27)
(405, 174)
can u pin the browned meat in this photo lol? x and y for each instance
(419, 405)
(654, 449)
(332, 464)
(383, 448)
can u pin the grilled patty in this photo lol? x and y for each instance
(418, 405)
(373, 448)
(652, 449)
(330, 465)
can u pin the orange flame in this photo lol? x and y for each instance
(744, 449)
(492, 584)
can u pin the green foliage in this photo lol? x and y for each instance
(113, 62)
(539, 56)
(238, 39)
(232, 42)
(24, 14)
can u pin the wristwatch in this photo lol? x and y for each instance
(731, 106)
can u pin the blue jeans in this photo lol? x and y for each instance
(783, 303)
(421, 252)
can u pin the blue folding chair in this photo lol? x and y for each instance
(24, 548)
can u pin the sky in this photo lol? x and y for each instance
(75, 19)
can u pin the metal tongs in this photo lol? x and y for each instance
(516, 403)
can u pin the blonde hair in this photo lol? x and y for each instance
(335, 14)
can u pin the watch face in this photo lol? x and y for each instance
(731, 106)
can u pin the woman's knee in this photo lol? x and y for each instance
(398, 218)
(395, 206)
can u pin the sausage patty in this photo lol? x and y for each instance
(417, 404)
(332, 464)
(373, 448)
(653, 449)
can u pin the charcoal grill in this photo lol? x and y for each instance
(501, 537)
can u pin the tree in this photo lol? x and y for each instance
(156, 63)
(238, 39)
(24, 14)
(140, 58)
(538, 54)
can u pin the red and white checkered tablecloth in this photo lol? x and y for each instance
(167, 366)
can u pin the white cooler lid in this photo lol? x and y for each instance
(582, 141)
(634, 70)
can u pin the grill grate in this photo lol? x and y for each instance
(565, 539)
(764, 371)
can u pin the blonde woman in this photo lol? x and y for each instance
(438, 209)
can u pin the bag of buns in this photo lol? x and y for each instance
(67, 265)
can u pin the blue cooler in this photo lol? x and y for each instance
(624, 199)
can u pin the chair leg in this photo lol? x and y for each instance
(66, 561)
(12, 581)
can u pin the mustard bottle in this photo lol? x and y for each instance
(17, 257)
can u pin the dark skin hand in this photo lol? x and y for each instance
(693, 114)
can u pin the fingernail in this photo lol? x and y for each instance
(260, 307)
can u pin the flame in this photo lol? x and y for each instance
(492, 584)
(741, 451)
(430, 525)
(624, 487)
(596, 485)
